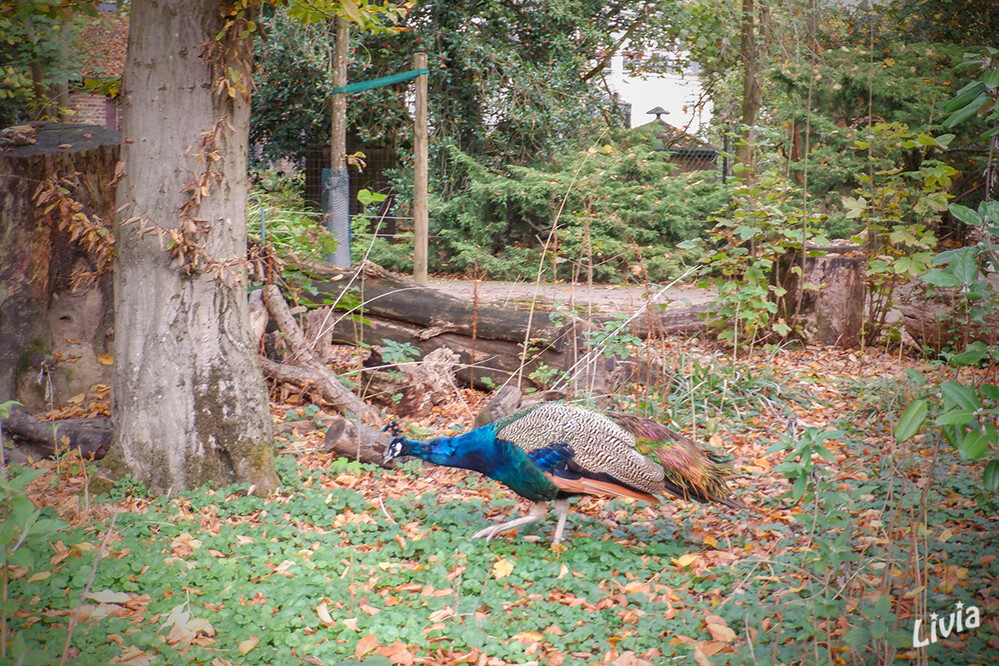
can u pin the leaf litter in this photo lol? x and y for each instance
(352, 562)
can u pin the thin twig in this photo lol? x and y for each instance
(381, 505)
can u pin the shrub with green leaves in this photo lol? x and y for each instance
(971, 271)
(742, 255)
(977, 98)
(898, 209)
(966, 413)
(278, 214)
(618, 211)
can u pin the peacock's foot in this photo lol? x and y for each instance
(537, 512)
(489, 532)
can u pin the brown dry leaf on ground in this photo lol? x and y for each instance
(716, 540)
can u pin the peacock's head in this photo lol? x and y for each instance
(400, 446)
(397, 447)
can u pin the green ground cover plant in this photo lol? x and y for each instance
(854, 537)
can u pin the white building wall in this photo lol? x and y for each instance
(678, 93)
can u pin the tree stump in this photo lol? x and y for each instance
(55, 302)
(429, 382)
(829, 310)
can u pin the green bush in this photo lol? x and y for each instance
(296, 232)
(618, 211)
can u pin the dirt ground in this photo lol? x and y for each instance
(603, 298)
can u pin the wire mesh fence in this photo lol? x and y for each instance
(374, 175)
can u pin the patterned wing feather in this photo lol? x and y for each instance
(629, 453)
(600, 447)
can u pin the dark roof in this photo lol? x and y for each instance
(674, 139)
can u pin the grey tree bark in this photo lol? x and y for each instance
(190, 406)
(750, 53)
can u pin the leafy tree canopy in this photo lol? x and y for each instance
(38, 51)
(829, 75)
(970, 22)
(509, 82)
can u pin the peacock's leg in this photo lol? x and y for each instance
(537, 512)
(562, 509)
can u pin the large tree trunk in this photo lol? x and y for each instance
(190, 405)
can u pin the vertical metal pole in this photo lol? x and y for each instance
(420, 215)
(337, 204)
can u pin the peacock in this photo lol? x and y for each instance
(550, 452)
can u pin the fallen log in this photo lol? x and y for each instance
(482, 362)
(486, 364)
(381, 294)
(330, 390)
(92, 436)
(388, 296)
(489, 340)
(357, 441)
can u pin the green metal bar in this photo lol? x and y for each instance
(378, 83)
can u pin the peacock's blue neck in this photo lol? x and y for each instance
(480, 451)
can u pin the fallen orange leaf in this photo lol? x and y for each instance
(368, 643)
(248, 644)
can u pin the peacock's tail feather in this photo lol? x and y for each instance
(692, 471)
